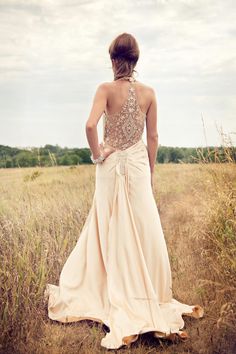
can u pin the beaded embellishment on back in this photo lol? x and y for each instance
(125, 128)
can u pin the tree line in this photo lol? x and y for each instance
(54, 155)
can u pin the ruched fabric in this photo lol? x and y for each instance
(119, 272)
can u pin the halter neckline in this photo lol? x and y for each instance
(130, 78)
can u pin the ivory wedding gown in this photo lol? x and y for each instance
(119, 272)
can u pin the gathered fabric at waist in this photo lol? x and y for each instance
(132, 160)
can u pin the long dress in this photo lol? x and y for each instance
(119, 271)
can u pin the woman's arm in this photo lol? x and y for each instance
(98, 107)
(152, 134)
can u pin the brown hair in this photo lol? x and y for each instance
(125, 52)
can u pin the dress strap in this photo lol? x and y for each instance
(130, 78)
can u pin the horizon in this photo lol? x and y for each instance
(87, 147)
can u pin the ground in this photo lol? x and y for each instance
(42, 211)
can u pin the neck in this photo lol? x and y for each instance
(127, 77)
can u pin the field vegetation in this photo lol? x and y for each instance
(42, 211)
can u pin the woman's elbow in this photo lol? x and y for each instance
(153, 137)
(89, 126)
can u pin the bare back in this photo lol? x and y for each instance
(125, 114)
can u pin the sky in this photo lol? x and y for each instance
(54, 54)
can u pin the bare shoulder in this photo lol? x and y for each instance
(148, 95)
(146, 92)
(107, 85)
(103, 86)
(101, 90)
(150, 91)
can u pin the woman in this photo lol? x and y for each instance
(119, 271)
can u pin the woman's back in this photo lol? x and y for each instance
(125, 114)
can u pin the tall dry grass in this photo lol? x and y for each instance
(42, 211)
(41, 214)
(217, 246)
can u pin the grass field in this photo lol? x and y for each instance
(42, 211)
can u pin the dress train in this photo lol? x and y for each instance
(119, 272)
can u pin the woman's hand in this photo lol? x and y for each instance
(106, 150)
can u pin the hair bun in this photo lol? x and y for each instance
(126, 55)
(124, 49)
